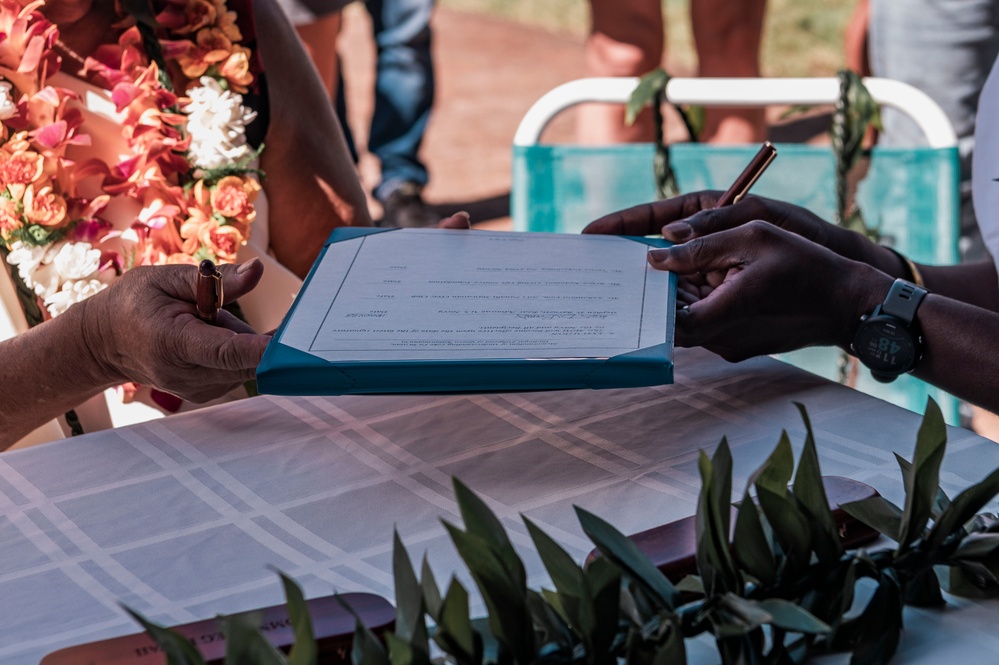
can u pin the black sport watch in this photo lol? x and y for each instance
(888, 341)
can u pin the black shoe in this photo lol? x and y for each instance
(405, 208)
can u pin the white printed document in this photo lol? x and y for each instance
(431, 297)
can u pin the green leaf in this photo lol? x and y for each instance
(480, 521)
(551, 623)
(789, 525)
(603, 596)
(711, 524)
(811, 496)
(963, 508)
(509, 619)
(921, 491)
(304, 652)
(672, 651)
(403, 652)
(431, 593)
(790, 617)
(977, 546)
(367, 649)
(409, 623)
(177, 648)
(775, 473)
(566, 575)
(691, 584)
(245, 644)
(646, 92)
(942, 500)
(923, 590)
(881, 625)
(878, 513)
(454, 633)
(753, 549)
(623, 552)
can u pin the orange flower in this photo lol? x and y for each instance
(44, 207)
(210, 48)
(233, 197)
(19, 167)
(236, 69)
(10, 220)
(225, 242)
(198, 14)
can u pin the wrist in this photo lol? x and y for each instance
(867, 289)
(95, 342)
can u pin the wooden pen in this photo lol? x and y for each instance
(749, 175)
(209, 293)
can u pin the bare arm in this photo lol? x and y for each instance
(142, 328)
(312, 186)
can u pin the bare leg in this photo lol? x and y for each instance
(626, 39)
(727, 35)
(320, 40)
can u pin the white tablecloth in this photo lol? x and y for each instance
(180, 518)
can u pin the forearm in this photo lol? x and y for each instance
(46, 372)
(972, 283)
(312, 186)
(960, 353)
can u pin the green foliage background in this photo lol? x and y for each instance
(801, 37)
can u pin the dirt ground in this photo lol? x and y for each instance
(489, 73)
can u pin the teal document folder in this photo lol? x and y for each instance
(433, 310)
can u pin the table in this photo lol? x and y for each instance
(180, 518)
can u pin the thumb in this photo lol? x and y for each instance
(240, 279)
(459, 220)
(701, 255)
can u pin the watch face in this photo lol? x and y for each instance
(885, 346)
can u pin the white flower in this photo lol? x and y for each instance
(77, 260)
(8, 107)
(27, 258)
(216, 122)
(71, 293)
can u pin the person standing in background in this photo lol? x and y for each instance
(404, 93)
(627, 39)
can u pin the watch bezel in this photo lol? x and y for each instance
(878, 369)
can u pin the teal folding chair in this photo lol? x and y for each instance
(911, 194)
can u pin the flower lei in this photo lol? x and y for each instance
(189, 163)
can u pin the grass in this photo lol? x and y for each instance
(801, 37)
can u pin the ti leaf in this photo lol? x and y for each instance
(878, 513)
(304, 651)
(963, 508)
(454, 633)
(714, 556)
(566, 575)
(367, 648)
(881, 625)
(177, 648)
(792, 618)
(431, 593)
(647, 92)
(923, 590)
(506, 600)
(753, 552)
(811, 496)
(409, 623)
(924, 480)
(603, 595)
(623, 552)
(245, 643)
(480, 521)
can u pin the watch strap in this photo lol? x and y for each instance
(903, 300)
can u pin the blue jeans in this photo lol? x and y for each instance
(404, 91)
(946, 49)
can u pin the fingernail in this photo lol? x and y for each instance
(677, 231)
(246, 266)
(658, 255)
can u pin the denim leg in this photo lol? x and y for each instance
(946, 49)
(404, 89)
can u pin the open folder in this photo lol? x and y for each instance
(434, 310)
